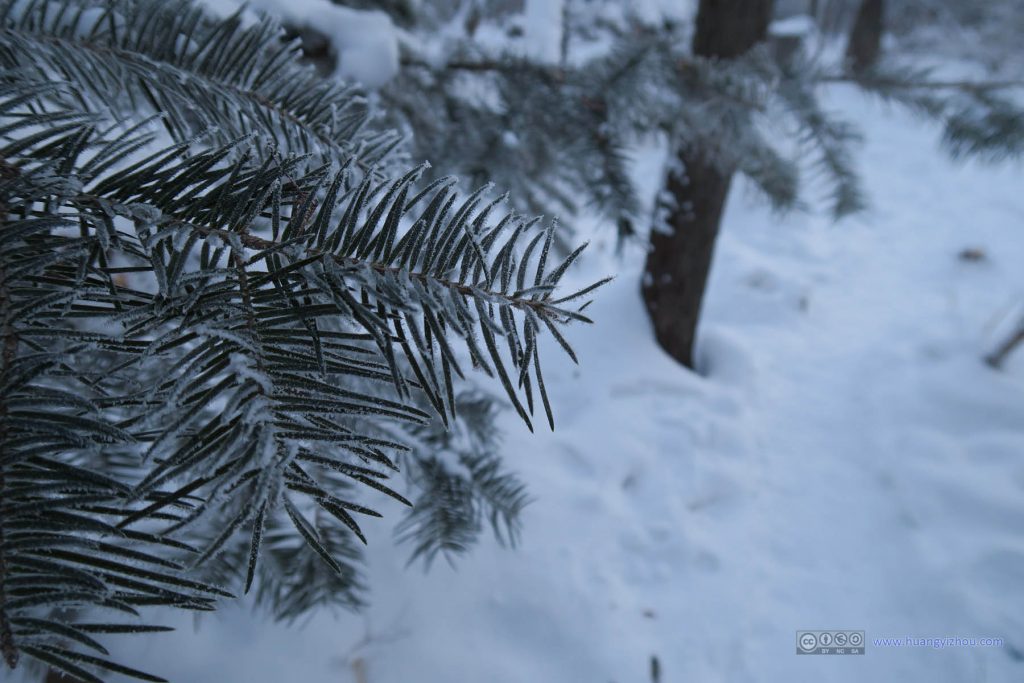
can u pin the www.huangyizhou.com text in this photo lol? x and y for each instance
(938, 643)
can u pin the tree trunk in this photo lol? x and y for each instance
(679, 260)
(866, 37)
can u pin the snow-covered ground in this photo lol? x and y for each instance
(845, 461)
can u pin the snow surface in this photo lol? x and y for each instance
(844, 461)
(793, 27)
(366, 41)
(543, 22)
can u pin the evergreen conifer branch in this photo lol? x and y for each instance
(215, 78)
(980, 119)
(648, 83)
(223, 350)
(462, 485)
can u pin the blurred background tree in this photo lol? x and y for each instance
(549, 99)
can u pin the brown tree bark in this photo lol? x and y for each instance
(679, 259)
(865, 42)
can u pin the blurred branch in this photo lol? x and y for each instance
(997, 357)
(684, 64)
(880, 82)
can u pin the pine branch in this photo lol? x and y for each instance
(867, 80)
(718, 108)
(224, 374)
(590, 113)
(541, 306)
(556, 74)
(8, 650)
(205, 77)
(461, 483)
(221, 349)
(979, 118)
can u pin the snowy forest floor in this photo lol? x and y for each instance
(845, 460)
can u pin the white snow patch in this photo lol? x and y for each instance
(543, 29)
(793, 27)
(366, 40)
(654, 11)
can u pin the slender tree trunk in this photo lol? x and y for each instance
(866, 37)
(680, 258)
